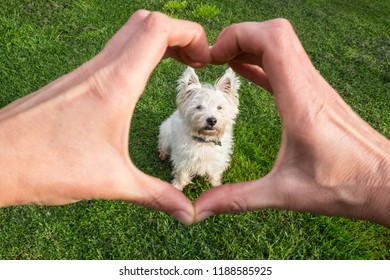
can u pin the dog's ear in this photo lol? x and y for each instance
(186, 85)
(188, 80)
(229, 84)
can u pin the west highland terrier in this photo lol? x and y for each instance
(198, 136)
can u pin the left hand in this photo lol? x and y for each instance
(69, 140)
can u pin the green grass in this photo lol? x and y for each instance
(204, 11)
(348, 41)
(173, 7)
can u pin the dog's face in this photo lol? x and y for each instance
(208, 109)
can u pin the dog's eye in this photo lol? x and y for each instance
(199, 107)
(219, 107)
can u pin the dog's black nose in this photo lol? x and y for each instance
(211, 121)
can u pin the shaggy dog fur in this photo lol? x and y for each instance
(198, 136)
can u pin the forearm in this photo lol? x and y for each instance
(9, 188)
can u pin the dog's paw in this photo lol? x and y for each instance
(214, 181)
(176, 183)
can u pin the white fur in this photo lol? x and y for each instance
(204, 157)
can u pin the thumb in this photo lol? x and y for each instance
(236, 198)
(153, 193)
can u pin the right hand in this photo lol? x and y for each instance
(330, 160)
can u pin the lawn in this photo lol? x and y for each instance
(349, 43)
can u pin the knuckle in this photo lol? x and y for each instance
(151, 203)
(281, 34)
(238, 203)
(199, 32)
(282, 28)
(282, 23)
(234, 29)
(153, 21)
(153, 200)
(197, 27)
(139, 15)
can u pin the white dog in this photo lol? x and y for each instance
(199, 135)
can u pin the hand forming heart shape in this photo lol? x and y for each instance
(76, 129)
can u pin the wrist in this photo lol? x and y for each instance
(21, 134)
(367, 192)
(363, 157)
(378, 191)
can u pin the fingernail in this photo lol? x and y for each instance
(183, 217)
(203, 215)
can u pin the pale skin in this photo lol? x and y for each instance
(69, 140)
(330, 162)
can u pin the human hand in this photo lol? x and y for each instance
(330, 160)
(69, 140)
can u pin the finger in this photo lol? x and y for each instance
(156, 194)
(186, 41)
(273, 45)
(236, 40)
(192, 50)
(236, 198)
(182, 57)
(273, 39)
(147, 40)
(253, 73)
(276, 49)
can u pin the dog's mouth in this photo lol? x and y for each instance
(209, 131)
